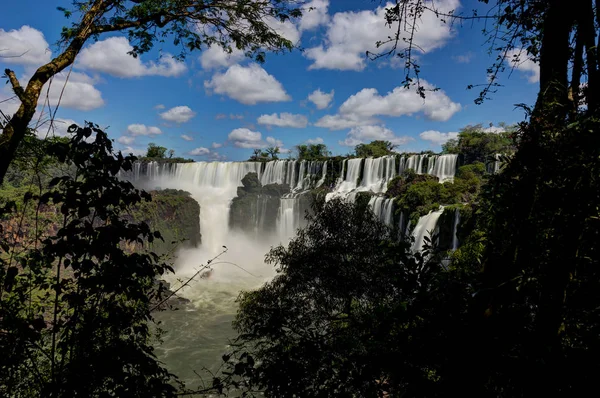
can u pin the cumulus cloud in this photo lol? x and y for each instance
(142, 129)
(79, 92)
(283, 120)
(125, 140)
(178, 114)
(24, 46)
(200, 151)
(361, 108)
(350, 34)
(159, 107)
(437, 137)
(321, 99)
(249, 85)
(365, 134)
(314, 14)
(216, 57)
(216, 145)
(246, 138)
(519, 60)
(111, 56)
(285, 29)
(343, 121)
(313, 141)
(220, 116)
(235, 116)
(187, 137)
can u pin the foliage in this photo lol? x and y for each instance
(374, 149)
(273, 152)
(351, 313)
(74, 307)
(312, 151)
(155, 151)
(175, 214)
(476, 145)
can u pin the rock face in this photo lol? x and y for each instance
(175, 215)
(256, 207)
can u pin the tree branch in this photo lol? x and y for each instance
(14, 82)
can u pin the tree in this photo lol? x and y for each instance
(374, 149)
(171, 153)
(75, 306)
(155, 151)
(346, 314)
(272, 151)
(312, 151)
(477, 145)
(245, 25)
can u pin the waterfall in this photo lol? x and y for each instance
(323, 175)
(443, 167)
(426, 226)
(455, 229)
(348, 183)
(289, 217)
(382, 208)
(212, 184)
(276, 172)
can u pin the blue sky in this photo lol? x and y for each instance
(218, 107)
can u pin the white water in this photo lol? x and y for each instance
(455, 241)
(383, 209)
(443, 167)
(426, 227)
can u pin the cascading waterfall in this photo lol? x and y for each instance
(455, 229)
(383, 209)
(443, 167)
(289, 217)
(426, 226)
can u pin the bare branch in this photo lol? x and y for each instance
(14, 82)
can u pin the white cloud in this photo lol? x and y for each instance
(401, 101)
(24, 46)
(178, 114)
(216, 145)
(321, 99)
(361, 108)
(200, 151)
(464, 58)
(125, 140)
(350, 34)
(285, 29)
(235, 117)
(159, 107)
(248, 85)
(187, 137)
(284, 120)
(313, 141)
(246, 138)
(521, 61)
(134, 151)
(79, 92)
(343, 121)
(365, 134)
(110, 56)
(220, 116)
(215, 57)
(436, 137)
(142, 129)
(314, 14)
